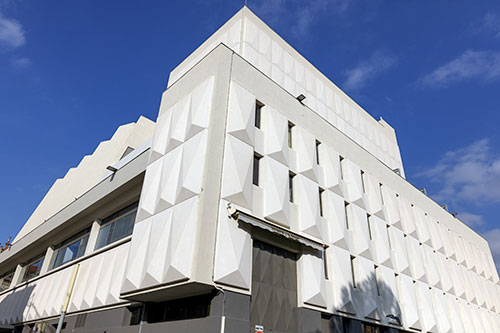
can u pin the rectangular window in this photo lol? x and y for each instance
(363, 181)
(389, 238)
(381, 193)
(291, 175)
(325, 264)
(346, 204)
(376, 280)
(317, 152)
(320, 194)
(117, 226)
(290, 129)
(256, 169)
(341, 171)
(258, 113)
(6, 281)
(352, 272)
(369, 227)
(71, 249)
(32, 269)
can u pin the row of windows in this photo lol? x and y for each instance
(256, 175)
(258, 157)
(113, 228)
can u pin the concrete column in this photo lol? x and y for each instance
(47, 260)
(17, 276)
(94, 232)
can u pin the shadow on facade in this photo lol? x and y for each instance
(370, 301)
(13, 306)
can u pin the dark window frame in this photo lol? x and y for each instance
(290, 134)
(256, 169)
(27, 275)
(82, 246)
(2, 279)
(258, 114)
(291, 176)
(112, 221)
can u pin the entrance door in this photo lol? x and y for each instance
(274, 289)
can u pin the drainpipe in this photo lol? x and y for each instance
(223, 317)
(68, 297)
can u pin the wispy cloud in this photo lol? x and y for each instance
(490, 25)
(368, 69)
(493, 238)
(483, 65)
(11, 33)
(21, 62)
(297, 15)
(471, 173)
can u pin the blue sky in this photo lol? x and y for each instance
(72, 71)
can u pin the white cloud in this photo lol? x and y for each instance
(366, 70)
(297, 15)
(11, 33)
(483, 65)
(493, 238)
(471, 174)
(470, 219)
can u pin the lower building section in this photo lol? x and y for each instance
(226, 312)
(272, 306)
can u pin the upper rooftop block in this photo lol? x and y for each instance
(257, 43)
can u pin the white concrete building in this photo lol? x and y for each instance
(244, 208)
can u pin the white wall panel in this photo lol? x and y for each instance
(421, 222)
(380, 241)
(241, 113)
(233, 252)
(426, 307)
(407, 220)
(409, 304)
(399, 251)
(311, 279)
(308, 206)
(276, 194)
(360, 234)
(275, 127)
(334, 209)
(391, 209)
(441, 310)
(342, 280)
(305, 145)
(237, 172)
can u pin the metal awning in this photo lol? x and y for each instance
(276, 229)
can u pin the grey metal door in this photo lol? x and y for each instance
(274, 289)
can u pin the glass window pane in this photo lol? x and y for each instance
(59, 257)
(102, 238)
(6, 281)
(123, 227)
(33, 269)
(83, 246)
(71, 251)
